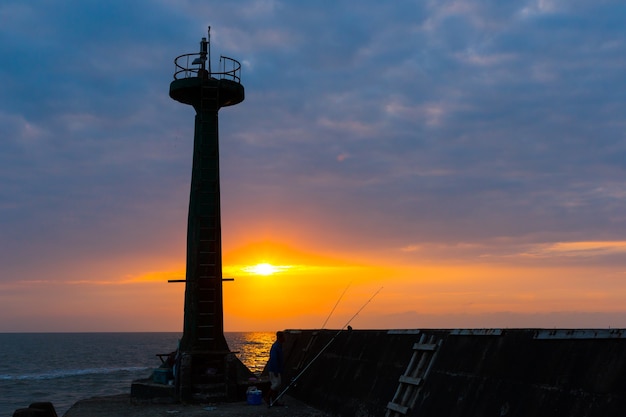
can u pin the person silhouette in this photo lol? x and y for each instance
(275, 366)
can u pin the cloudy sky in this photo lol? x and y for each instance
(469, 157)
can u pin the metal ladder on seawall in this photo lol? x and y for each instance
(410, 383)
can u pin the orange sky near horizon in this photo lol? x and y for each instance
(308, 285)
(563, 289)
(421, 294)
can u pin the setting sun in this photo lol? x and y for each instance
(264, 269)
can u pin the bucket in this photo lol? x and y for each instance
(254, 397)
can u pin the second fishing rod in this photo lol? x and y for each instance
(295, 379)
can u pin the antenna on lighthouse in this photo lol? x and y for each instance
(208, 46)
(205, 53)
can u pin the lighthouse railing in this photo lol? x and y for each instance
(189, 65)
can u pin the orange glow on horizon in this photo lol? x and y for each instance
(413, 294)
(279, 286)
(276, 283)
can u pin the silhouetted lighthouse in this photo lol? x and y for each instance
(203, 352)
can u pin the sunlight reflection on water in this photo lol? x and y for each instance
(253, 348)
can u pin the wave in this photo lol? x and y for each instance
(65, 373)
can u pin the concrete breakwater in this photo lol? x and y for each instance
(461, 373)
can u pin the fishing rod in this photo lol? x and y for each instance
(295, 379)
(336, 304)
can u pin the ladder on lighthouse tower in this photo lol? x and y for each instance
(410, 383)
(210, 385)
(209, 267)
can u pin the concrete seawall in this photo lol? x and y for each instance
(461, 373)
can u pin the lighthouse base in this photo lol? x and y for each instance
(201, 377)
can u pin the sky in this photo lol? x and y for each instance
(406, 164)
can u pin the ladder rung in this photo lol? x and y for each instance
(410, 380)
(425, 346)
(398, 408)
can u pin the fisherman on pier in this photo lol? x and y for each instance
(275, 368)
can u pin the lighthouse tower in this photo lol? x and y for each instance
(203, 354)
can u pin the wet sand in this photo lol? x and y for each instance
(120, 406)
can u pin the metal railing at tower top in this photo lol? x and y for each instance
(189, 65)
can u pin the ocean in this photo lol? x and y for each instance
(64, 368)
